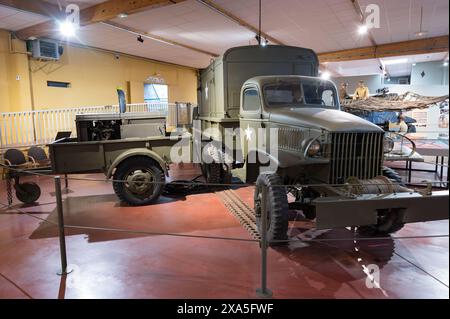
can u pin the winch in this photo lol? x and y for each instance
(377, 185)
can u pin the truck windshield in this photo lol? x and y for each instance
(306, 93)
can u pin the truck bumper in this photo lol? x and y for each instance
(333, 212)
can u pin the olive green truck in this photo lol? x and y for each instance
(265, 111)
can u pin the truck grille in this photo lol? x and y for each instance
(355, 155)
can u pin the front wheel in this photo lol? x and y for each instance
(276, 205)
(138, 181)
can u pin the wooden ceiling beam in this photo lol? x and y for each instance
(422, 46)
(98, 13)
(215, 7)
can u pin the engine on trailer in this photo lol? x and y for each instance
(115, 126)
(104, 130)
(98, 130)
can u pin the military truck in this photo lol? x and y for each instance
(331, 162)
(287, 134)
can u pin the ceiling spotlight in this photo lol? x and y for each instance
(122, 15)
(325, 75)
(140, 39)
(445, 63)
(363, 29)
(67, 28)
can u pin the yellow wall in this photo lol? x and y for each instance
(94, 76)
(14, 76)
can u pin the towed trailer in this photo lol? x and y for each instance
(331, 162)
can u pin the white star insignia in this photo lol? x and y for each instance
(248, 133)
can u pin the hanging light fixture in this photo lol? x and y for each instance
(421, 32)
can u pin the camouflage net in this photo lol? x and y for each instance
(391, 102)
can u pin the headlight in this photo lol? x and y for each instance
(388, 145)
(314, 149)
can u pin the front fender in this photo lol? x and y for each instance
(137, 152)
(264, 158)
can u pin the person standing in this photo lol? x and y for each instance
(403, 127)
(343, 91)
(362, 92)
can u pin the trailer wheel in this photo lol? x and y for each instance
(28, 193)
(138, 181)
(389, 221)
(276, 205)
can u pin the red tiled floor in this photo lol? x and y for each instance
(123, 265)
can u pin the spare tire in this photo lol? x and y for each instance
(389, 221)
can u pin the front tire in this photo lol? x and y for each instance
(138, 181)
(276, 204)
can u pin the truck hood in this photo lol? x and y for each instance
(330, 120)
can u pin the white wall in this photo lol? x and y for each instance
(427, 90)
(434, 83)
(373, 82)
(434, 73)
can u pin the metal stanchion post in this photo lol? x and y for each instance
(62, 235)
(66, 180)
(264, 292)
(9, 189)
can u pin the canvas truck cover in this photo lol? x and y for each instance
(220, 84)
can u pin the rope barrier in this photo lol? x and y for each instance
(190, 183)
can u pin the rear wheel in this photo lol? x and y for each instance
(276, 204)
(28, 193)
(138, 181)
(212, 173)
(389, 221)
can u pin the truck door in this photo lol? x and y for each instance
(250, 119)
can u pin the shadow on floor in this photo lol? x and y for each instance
(103, 211)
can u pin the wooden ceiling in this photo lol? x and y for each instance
(191, 32)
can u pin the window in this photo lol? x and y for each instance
(319, 93)
(56, 84)
(156, 93)
(251, 100)
(304, 93)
